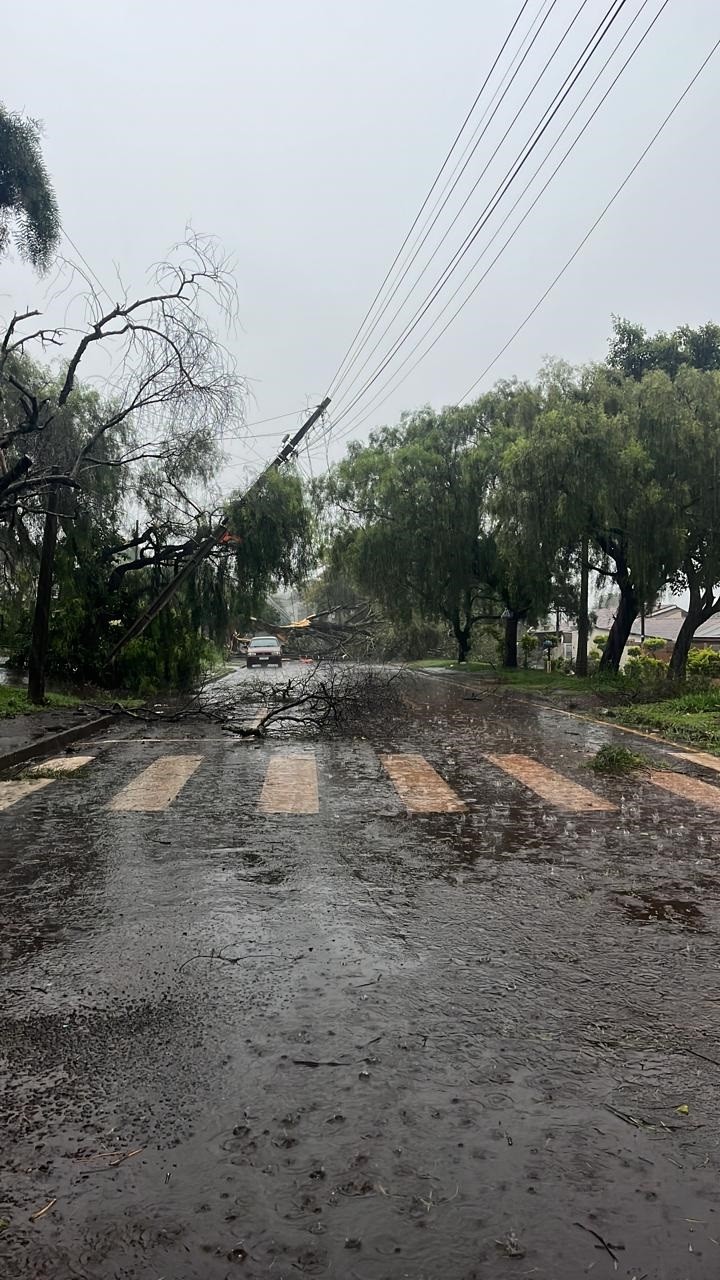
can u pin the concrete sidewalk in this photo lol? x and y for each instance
(39, 733)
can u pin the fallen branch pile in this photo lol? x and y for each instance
(326, 697)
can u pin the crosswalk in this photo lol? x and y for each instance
(291, 787)
(154, 789)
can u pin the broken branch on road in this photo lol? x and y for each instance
(327, 697)
(217, 955)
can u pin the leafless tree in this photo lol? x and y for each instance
(173, 393)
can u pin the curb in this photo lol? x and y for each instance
(46, 746)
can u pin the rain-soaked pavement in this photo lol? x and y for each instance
(479, 1042)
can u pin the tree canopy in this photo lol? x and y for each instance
(502, 507)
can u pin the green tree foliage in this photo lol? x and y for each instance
(274, 526)
(409, 510)
(29, 213)
(497, 506)
(634, 352)
(418, 526)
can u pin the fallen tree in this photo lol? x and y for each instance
(326, 697)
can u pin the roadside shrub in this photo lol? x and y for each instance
(653, 642)
(645, 676)
(528, 644)
(562, 665)
(704, 662)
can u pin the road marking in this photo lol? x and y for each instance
(681, 784)
(420, 788)
(156, 786)
(550, 785)
(290, 785)
(701, 758)
(11, 792)
(61, 764)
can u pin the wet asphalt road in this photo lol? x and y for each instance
(447, 1045)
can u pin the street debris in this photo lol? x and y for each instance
(609, 1248)
(511, 1246)
(40, 1213)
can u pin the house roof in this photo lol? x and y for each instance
(663, 624)
(709, 630)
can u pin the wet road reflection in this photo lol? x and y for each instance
(360, 1040)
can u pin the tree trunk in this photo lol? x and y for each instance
(628, 610)
(678, 661)
(43, 600)
(462, 637)
(700, 609)
(510, 641)
(581, 658)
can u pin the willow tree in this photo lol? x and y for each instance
(29, 214)
(409, 511)
(693, 400)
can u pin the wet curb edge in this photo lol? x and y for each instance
(53, 741)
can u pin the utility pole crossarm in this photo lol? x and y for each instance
(210, 543)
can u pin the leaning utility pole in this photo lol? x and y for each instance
(210, 543)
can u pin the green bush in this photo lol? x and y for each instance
(653, 642)
(645, 675)
(704, 662)
(528, 643)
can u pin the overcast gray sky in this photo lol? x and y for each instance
(305, 133)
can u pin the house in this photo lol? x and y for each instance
(663, 623)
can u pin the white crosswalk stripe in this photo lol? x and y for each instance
(60, 764)
(549, 785)
(14, 790)
(420, 787)
(159, 784)
(291, 785)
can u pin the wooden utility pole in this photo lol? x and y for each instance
(211, 543)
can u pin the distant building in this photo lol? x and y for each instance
(662, 624)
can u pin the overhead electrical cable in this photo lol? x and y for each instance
(550, 112)
(363, 335)
(383, 396)
(434, 184)
(596, 223)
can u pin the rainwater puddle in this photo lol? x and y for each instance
(646, 908)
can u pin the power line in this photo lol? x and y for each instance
(278, 416)
(596, 223)
(590, 48)
(449, 187)
(432, 188)
(380, 399)
(87, 266)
